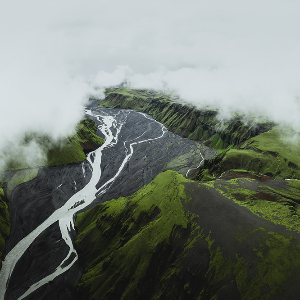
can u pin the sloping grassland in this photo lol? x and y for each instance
(180, 239)
(269, 154)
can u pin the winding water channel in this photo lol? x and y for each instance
(41, 261)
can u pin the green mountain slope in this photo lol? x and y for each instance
(268, 153)
(185, 120)
(65, 151)
(180, 239)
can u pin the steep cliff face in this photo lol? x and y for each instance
(184, 120)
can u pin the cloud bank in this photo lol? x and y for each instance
(238, 56)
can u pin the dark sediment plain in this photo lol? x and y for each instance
(40, 260)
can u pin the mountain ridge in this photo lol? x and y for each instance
(186, 120)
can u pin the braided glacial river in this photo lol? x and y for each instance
(41, 261)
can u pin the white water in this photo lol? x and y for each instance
(65, 214)
(189, 170)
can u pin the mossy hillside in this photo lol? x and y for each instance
(276, 201)
(201, 125)
(71, 149)
(164, 242)
(65, 151)
(276, 260)
(267, 154)
(183, 119)
(125, 98)
(270, 267)
(19, 177)
(276, 143)
(252, 161)
(4, 222)
(75, 147)
(86, 132)
(129, 231)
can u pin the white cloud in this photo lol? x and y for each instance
(236, 55)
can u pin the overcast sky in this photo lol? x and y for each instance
(237, 55)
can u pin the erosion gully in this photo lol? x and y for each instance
(41, 261)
